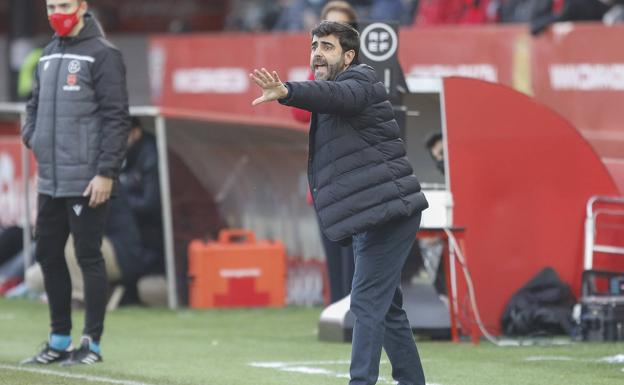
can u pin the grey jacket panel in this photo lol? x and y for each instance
(77, 120)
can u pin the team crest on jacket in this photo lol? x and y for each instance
(72, 81)
(73, 67)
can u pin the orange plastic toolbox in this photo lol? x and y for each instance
(236, 271)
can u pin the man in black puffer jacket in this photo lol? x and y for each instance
(364, 190)
(140, 188)
(77, 126)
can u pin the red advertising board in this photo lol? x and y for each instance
(485, 53)
(210, 73)
(578, 70)
(575, 69)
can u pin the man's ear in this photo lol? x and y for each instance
(83, 8)
(349, 55)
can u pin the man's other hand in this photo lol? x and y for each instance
(272, 86)
(99, 189)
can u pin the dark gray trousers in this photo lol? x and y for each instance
(340, 266)
(377, 303)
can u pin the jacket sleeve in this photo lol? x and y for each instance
(109, 82)
(347, 96)
(31, 113)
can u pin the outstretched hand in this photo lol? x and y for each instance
(272, 86)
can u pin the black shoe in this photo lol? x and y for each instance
(48, 355)
(83, 355)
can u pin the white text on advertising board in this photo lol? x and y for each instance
(587, 77)
(210, 80)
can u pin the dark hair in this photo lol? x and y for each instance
(432, 139)
(348, 37)
(135, 122)
(341, 6)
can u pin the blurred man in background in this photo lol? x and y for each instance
(340, 12)
(132, 244)
(77, 126)
(339, 258)
(364, 191)
(140, 188)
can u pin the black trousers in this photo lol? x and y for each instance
(56, 218)
(377, 303)
(340, 267)
(10, 243)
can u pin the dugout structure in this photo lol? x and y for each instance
(215, 172)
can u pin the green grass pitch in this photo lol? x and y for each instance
(273, 347)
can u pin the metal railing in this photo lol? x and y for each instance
(592, 215)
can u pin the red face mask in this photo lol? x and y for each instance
(63, 23)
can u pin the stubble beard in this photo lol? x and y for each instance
(333, 70)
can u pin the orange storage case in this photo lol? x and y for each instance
(236, 271)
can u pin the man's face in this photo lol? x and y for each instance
(327, 59)
(63, 6)
(437, 150)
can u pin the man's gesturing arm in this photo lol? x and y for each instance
(348, 96)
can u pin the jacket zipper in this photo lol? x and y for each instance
(56, 91)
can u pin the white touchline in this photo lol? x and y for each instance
(305, 367)
(73, 376)
(549, 358)
(279, 364)
(307, 370)
(617, 359)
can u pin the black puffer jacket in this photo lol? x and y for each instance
(140, 187)
(358, 172)
(77, 119)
